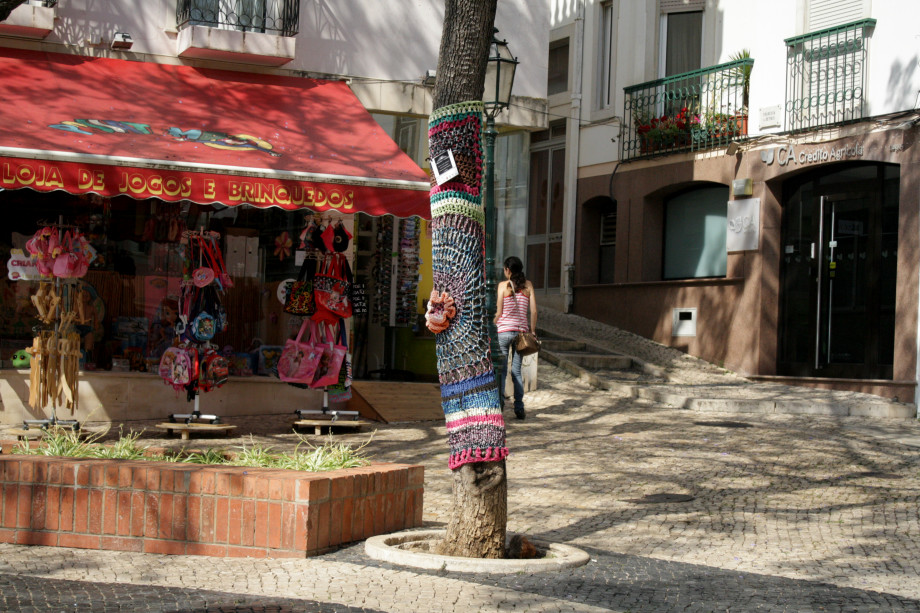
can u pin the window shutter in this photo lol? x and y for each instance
(609, 228)
(681, 6)
(828, 13)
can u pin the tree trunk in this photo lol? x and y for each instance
(7, 6)
(469, 392)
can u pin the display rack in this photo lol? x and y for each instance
(66, 289)
(194, 395)
(65, 313)
(326, 411)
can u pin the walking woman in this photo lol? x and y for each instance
(516, 311)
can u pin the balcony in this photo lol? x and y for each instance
(243, 31)
(826, 76)
(692, 111)
(32, 19)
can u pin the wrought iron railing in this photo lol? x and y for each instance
(280, 17)
(702, 109)
(826, 76)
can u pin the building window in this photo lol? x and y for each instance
(828, 13)
(682, 37)
(273, 16)
(694, 234)
(557, 80)
(605, 57)
(544, 216)
(608, 247)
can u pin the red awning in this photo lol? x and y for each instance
(111, 127)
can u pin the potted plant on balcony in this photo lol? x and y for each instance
(665, 132)
(742, 76)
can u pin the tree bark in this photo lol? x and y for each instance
(7, 6)
(479, 503)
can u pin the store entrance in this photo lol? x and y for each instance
(838, 275)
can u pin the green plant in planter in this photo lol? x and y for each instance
(331, 455)
(742, 76)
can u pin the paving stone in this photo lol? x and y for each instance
(789, 512)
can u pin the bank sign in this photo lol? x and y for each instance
(790, 155)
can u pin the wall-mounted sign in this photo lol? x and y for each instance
(743, 232)
(770, 117)
(22, 267)
(790, 155)
(444, 167)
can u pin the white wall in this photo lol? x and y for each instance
(729, 26)
(392, 40)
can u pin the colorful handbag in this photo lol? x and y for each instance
(340, 391)
(330, 362)
(332, 289)
(299, 359)
(299, 299)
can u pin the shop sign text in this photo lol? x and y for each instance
(172, 186)
(788, 154)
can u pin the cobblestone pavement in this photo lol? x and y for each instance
(679, 510)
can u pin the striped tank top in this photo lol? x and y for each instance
(514, 313)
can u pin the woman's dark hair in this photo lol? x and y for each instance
(516, 267)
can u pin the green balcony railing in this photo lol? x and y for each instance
(826, 76)
(696, 110)
(279, 17)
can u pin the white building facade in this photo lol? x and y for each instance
(739, 180)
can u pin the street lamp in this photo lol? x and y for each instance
(496, 97)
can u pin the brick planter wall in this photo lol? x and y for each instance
(161, 507)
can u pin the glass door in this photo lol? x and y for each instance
(837, 292)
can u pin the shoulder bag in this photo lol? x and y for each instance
(525, 343)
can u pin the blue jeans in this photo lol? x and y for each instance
(505, 340)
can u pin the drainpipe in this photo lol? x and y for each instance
(571, 165)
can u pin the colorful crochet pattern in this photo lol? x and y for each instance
(469, 392)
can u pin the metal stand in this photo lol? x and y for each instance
(52, 422)
(325, 411)
(194, 415)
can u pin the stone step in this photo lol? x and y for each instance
(596, 361)
(553, 344)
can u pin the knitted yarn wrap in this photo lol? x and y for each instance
(469, 392)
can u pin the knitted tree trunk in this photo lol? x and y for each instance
(469, 393)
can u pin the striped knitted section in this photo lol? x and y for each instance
(469, 393)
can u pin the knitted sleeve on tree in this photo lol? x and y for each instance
(469, 393)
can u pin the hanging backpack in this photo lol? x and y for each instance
(176, 367)
(206, 316)
(215, 370)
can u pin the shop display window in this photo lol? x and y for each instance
(133, 285)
